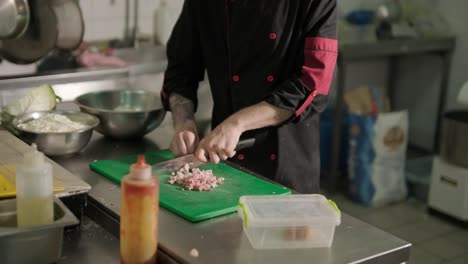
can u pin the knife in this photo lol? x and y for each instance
(177, 163)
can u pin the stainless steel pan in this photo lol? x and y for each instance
(40, 36)
(14, 18)
(70, 24)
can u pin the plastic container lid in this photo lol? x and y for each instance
(278, 210)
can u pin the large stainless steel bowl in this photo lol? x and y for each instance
(124, 113)
(60, 143)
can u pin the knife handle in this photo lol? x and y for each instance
(245, 143)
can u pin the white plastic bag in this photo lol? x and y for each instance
(390, 144)
(377, 154)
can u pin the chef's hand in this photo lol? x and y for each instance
(220, 143)
(185, 140)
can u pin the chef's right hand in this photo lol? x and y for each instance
(185, 141)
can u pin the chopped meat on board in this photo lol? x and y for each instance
(195, 179)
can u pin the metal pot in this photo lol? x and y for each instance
(14, 18)
(38, 39)
(70, 24)
(454, 143)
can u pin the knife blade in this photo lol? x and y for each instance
(177, 163)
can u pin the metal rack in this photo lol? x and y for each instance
(392, 49)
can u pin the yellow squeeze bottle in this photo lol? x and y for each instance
(34, 190)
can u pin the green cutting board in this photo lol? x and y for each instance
(194, 205)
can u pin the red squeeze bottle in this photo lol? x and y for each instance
(139, 215)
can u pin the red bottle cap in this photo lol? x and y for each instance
(140, 170)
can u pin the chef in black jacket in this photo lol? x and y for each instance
(270, 64)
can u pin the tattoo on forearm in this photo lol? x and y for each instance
(182, 108)
(176, 100)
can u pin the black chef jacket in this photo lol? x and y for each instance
(279, 51)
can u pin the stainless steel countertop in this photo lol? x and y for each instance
(90, 243)
(221, 240)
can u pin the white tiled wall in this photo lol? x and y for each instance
(105, 19)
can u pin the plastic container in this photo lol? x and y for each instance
(40, 244)
(289, 221)
(139, 215)
(34, 190)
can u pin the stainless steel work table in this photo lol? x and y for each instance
(220, 240)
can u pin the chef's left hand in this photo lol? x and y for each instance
(220, 143)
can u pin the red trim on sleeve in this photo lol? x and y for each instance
(306, 103)
(319, 64)
(325, 44)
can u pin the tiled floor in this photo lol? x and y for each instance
(434, 238)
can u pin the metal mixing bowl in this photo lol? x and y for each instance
(60, 143)
(124, 113)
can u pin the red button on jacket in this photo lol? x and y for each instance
(273, 157)
(270, 78)
(235, 78)
(240, 157)
(273, 35)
